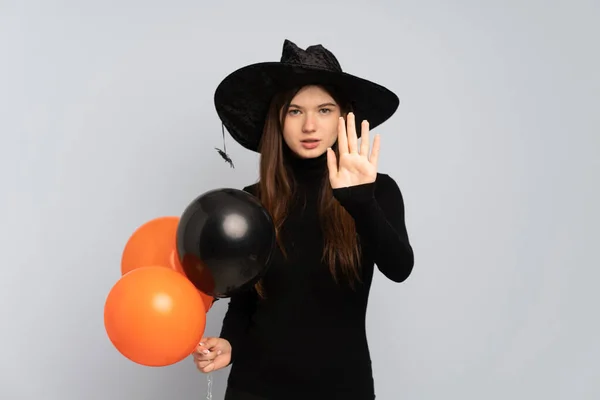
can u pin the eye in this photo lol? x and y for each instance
(293, 112)
(325, 110)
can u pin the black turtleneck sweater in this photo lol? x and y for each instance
(307, 337)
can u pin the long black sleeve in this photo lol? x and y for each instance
(237, 319)
(242, 306)
(378, 212)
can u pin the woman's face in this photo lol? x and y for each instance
(310, 125)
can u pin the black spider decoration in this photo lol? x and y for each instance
(223, 153)
(225, 157)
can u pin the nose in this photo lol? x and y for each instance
(309, 125)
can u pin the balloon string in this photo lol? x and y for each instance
(209, 386)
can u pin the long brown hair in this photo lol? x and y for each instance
(275, 190)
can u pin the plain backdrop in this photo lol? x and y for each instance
(107, 121)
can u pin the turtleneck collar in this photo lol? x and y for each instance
(306, 170)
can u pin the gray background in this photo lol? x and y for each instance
(107, 121)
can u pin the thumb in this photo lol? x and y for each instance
(221, 360)
(207, 343)
(331, 163)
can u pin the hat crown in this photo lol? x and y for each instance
(314, 56)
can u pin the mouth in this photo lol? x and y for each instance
(310, 143)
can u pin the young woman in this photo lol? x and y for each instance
(300, 332)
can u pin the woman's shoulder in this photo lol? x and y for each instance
(252, 189)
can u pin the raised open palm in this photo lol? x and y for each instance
(356, 166)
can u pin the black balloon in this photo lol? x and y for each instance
(225, 241)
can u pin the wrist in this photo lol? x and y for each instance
(355, 195)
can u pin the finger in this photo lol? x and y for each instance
(221, 362)
(207, 344)
(205, 347)
(205, 355)
(210, 356)
(342, 138)
(374, 159)
(331, 163)
(203, 342)
(206, 369)
(203, 364)
(352, 136)
(364, 139)
(212, 365)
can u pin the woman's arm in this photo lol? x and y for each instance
(242, 306)
(237, 319)
(378, 212)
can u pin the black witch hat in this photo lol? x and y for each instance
(242, 99)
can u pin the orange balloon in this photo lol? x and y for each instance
(153, 243)
(154, 316)
(208, 300)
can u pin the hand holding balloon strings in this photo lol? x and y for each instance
(212, 354)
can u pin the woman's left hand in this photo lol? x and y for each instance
(355, 167)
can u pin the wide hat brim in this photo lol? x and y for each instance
(243, 98)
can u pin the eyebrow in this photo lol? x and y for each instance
(319, 106)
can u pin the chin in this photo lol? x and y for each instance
(310, 153)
